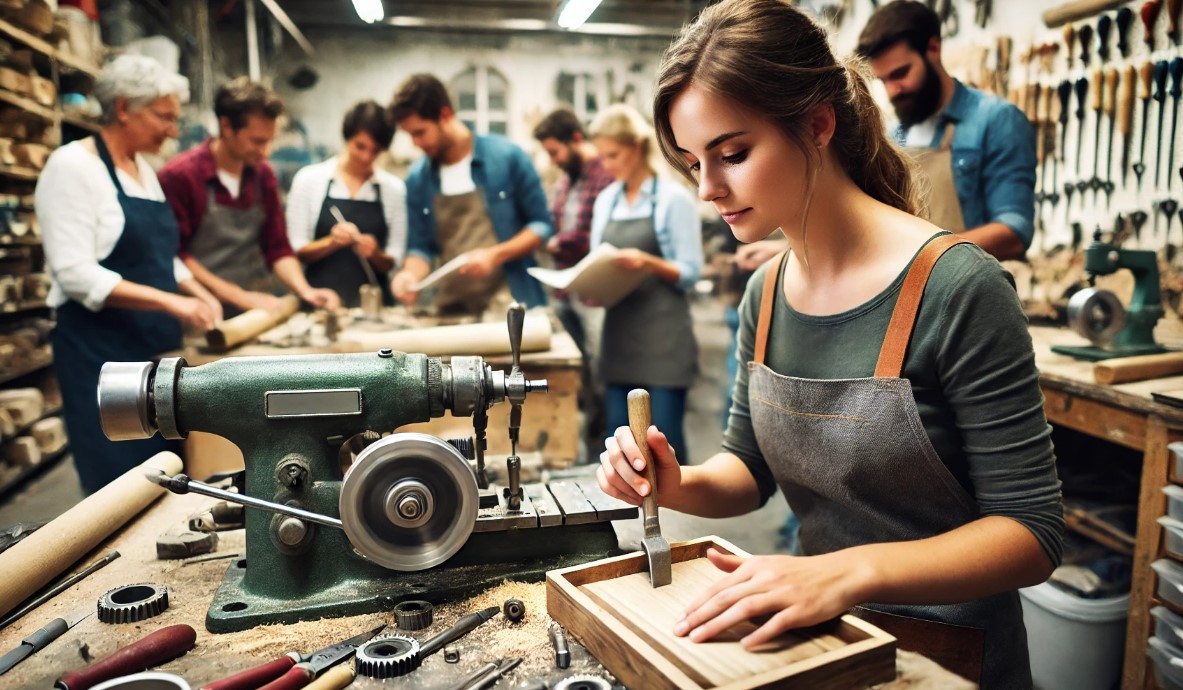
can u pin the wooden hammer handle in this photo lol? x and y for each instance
(640, 418)
(153, 650)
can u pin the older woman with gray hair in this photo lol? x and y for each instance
(110, 243)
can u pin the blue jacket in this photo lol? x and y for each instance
(993, 151)
(513, 197)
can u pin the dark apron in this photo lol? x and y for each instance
(84, 340)
(857, 467)
(227, 243)
(648, 337)
(463, 224)
(342, 271)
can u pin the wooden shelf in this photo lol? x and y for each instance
(29, 472)
(71, 62)
(9, 375)
(81, 123)
(22, 307)
(18, 172)
(28, 105)
(42, 46)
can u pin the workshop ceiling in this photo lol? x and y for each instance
(613, 17)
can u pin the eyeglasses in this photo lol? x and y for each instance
(167, 118)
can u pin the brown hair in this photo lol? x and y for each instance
(900, 20)
(238, 98)
(561, 125)
(776, 60)
(624, 125)
(422, 95)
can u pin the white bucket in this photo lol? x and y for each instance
(1075, 643)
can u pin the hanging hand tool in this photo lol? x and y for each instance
(1096, 104)
(1104, 27)
(59, 588)
(1069, 41)
(1145, 76)
(1160, 95)
(1125, 17)
(462, 627)
(1138, 219)
(982, 11)
(1125, 118)
(1064, 91)
(657, 549)
(286, 665)
(1045, 149)
(1082, 94)
(39, 639)
(1110, 106)
(1085, 37)
(1167, 207)
(1149, 14)
(1176, 71)
(154, 649)
(1173, 7)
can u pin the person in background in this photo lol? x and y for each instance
(976, 151)
(893, 399)
(583, 178)
(226, 200)
(110, 242)
(372, 202)
(470, 194)
(648, 339)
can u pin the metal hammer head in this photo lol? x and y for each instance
(657, 549)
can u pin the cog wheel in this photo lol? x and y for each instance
(583, 683)
(412, 615)
(388, 656)
(132, 603)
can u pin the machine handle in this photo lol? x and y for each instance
(182, 484)
(640, 418)
(516, 318)
(153, 650)
(1125, 101)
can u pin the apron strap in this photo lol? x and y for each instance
(105, 156)
(903, 318)
(947, 138)
(767, 299)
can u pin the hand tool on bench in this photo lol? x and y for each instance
(287, 664)
(59, 588)
(461, 628)
(152, 650)
(39, 639)
(657, 549)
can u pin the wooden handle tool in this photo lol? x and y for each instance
(153, 650)
(1098, 89)
(1149, 15)
(1069, 42)
(1109, 103)
(657, 549)
(1139, 368)
(1125, 101)
(335, 678)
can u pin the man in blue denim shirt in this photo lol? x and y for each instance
(471, 195)
(992, 147)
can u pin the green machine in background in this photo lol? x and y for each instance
(1099, 316)
(351, 518)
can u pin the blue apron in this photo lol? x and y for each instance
(84, 340)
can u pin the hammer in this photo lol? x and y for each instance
(657, 549)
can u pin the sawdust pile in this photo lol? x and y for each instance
(500, 637)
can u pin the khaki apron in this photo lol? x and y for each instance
(463, 224)
(938, 188)
(857, 467)
(227, 243)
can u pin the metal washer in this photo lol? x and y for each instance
(388, 656)
(412, 615)
(583, 683)
(133, 603)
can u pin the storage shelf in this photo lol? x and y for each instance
(22, 307)
(9, 375)
(42, 46)
(28, 105)
(81, 123)
(29, 473)
(18, 172)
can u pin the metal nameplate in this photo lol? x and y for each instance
(334, 402)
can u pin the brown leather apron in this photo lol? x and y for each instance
(856, 466)
(938, 188)
(463, 223)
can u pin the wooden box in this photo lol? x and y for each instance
(611, 607)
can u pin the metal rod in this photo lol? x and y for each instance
(252, 41)
(181, 484)
(286, 22)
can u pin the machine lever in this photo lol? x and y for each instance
(183, 484)
(516, 319)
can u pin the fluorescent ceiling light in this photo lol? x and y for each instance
(575, 13)
(370, 11)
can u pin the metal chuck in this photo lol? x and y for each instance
(133, 603)
(388, 656)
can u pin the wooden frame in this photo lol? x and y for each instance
(859, 655)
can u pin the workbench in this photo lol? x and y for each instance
(550, 422)
(1127, 415)
(217, 656)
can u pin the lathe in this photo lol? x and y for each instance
(354, 516)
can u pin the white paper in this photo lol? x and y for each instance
(594, 278)
(441, 272)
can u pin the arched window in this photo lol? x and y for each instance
(482, 100)
(580, 90)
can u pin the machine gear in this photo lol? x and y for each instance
(583, 683)
(132, 603)
(388, 656)
(412, 615)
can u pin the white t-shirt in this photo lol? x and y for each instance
(81, 221)
(456, 179)
(233, 183)
(308, 193)
(920, 135)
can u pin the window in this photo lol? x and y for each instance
(580, 91)
(482, 100)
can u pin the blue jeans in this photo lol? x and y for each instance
(669, 408)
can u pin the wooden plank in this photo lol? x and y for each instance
(607, 507)
(847, 653)
(1099, 419)
(549, 514)
(577, 510)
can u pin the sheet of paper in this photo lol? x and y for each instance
(440, 272)
(594, 278)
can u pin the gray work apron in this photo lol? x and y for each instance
(857, 467)
(463, 224)
(227, 243)
(936, 169)
(648, 338)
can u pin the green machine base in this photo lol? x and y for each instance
(485, 561)
(1096, 354)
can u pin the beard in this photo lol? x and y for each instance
(918, 106)
(574, 165)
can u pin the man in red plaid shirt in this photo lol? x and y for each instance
(561, 135)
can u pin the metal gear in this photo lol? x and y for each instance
(388, 656)
(583, 683)
(132, 603)
(412, 615)
(409, 502)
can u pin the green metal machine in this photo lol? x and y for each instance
(352, 520)
(1099, 316)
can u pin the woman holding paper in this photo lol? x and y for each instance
(647, 339)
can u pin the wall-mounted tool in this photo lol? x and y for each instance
(293, 669)
(1096, 104)
(1160, 95)
(1149, 15)
(1168, 207)
(1176, 71)
(1104, 28)
(1137, 220)
(1069, 43)
(1082, 93)
(1084, 35)
(1125, 17)
(1064, 95)
(1145, 77)
(1125, 117)
(1099, 316)
(152, 650)
(38, 640)
(1173, 7)
(1109, 105)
